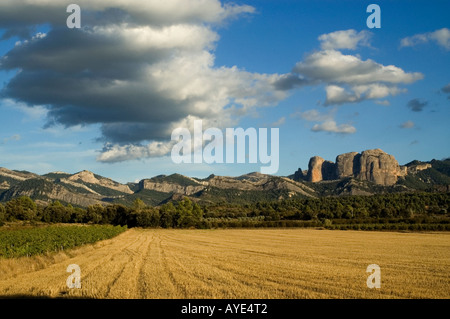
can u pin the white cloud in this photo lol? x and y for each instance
(441, 37)
(339, 95)
(137, 68)
(279, 122)
(345, 39)
(15, 137)
(327, 122)
(383, 102)
(119, 153)
(350, 79)
(333, 66)
(150, 12)
(315, 116)
(34, 112)
(407, 124)
(331, 126)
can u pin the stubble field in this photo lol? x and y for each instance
(259, 264)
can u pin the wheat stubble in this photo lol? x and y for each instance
(241, 263)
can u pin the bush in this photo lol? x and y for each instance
(327, 222)
(33, 241)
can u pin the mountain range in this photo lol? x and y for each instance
(366, 173)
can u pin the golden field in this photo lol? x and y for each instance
(241, 263)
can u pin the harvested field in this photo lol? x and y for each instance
(240, 263)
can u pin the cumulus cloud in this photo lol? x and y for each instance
(120, 153)
(15, 137)
(350, 79)
(334, 66)
(137, 68)
(383, 102)
(417, 105)
(408, 124)
(326, 122)
(19, 17)
(441, 37)
(140, 69)
(345, 39)
(339, 95)
(314, 116)
(279, 122)
(331, 126)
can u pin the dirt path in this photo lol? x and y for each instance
(240, 264)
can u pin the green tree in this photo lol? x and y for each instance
(188, 214)
(22, 208)
(138, 205)
(122, 215)
(78, 215)
(2, 215)
(148, 217)
(167, 215)
(55, 213)
(94, 213)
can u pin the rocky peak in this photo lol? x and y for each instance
(91, 178)
(378, 167)
(345, 164)
(85, 176)
(372, 165)
(315, 169)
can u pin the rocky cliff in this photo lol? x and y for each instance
(372, 165)
(378, 167)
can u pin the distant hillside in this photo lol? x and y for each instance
(368, 173)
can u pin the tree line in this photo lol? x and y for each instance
(412, 208)
(183, 214)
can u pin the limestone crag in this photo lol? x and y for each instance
(345, 164)
(166, 187)
(299, 175)
(89, 177)
(417, 168)
(315, 169)
(378, 167)
(372, 165)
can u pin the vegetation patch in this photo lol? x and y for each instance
(34, 241)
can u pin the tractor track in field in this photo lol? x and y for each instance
(180, 264)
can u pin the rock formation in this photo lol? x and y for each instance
(315, 169)
(328, 170)
(371, 165)
(165, 187)
(345, 164)
(299, 175)
(378, 167)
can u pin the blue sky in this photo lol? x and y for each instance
(220, 63)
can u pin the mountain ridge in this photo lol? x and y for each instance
(373, 172)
